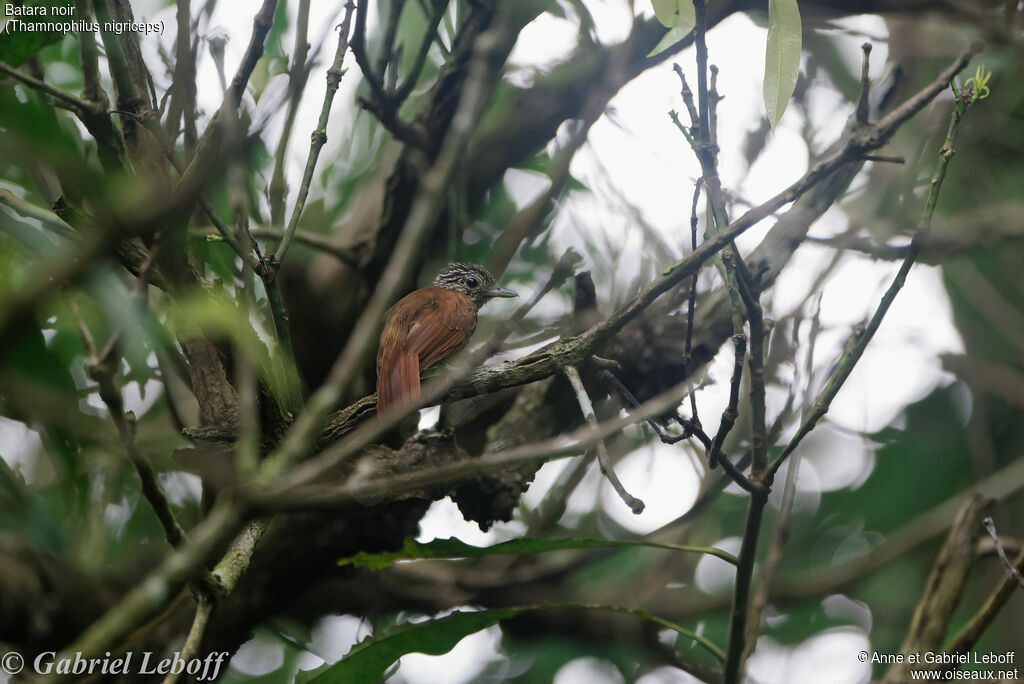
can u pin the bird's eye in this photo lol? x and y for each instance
(472, 282)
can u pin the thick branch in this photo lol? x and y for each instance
(943, 588)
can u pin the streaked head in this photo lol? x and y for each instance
(471, 280)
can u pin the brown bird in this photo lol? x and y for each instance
(429, 325)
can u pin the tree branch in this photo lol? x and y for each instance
(319, 137)
(587, 408)
(968, 636)
(943, 588)
(856, 345)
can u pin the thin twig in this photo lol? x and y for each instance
(729, 260)
(755, 362)
(409, 82)
(47, 218)
(66, 99)
(373, 79)
(102, 366)
(1011, 570)
(776, 550)
(317, 241)
(687, 95)
(298, 76)
(651, 422)
(319, 136)
(964, 640)
(714, 97)
(185, 79)
(190, 649)
(741, 589)
(731, 411)
(885, 158)
(587, 407)
(856, 345)
(110, 145)
(387, 43)
(553, 505)
(692, 302)
(864, 101)
(210, 148)
(674, 115)
(690, 429)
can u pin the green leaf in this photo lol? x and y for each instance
(673, 36)
(17, 45)
(666, 11)
(455, 548)
(782, 57)
(678, 16)
(367, 662)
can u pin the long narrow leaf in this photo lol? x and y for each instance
(782, 57)
(367, 662)
(455, 548)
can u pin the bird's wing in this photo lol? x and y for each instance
(415, 338)
(442, 332)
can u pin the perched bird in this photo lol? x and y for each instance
(429, 325)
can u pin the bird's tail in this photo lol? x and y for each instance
(398, 381)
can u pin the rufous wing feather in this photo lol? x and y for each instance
(422, 329)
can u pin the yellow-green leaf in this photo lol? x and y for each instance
(667, 10)
(684, 20)
(782, 57)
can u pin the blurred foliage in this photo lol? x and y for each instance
(68, 492)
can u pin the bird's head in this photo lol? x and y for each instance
(473, 281)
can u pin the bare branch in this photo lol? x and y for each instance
(587, 407)
(968, 636)
(864, 101)
(319, 136)
(856, 345)
(1011, 570)
(67, 100)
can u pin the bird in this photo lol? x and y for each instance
(427, 326)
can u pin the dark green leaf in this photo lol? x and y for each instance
(455, 548)
(369, 660)
(18, 44)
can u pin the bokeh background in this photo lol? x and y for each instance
(932, 410)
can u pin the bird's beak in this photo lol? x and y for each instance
(501, 292)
